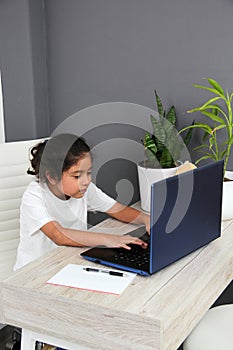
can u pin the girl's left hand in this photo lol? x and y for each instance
(115, 241)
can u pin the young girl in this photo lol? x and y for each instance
(54, 207)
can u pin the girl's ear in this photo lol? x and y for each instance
(51, 179)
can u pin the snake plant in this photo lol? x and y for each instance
(164, 145)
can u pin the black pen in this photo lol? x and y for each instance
(110, 272)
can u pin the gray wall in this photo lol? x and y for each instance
(108, 50)
(23, 66)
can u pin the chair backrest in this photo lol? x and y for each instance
(14, 162)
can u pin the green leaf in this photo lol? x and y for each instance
(205, 127)
(158, 130)
(222, 155)
(169, 129)
(188, 136)
(152, 161)
(205, 107)
(214, 117)
(215, 109)
(231, 97)
(212, 142)
(210, 101)
(159, 104)
(176, 151)
(198, 148)
(149, 144)
(166, 159)
(216, 128)
(186, 128)
(216, 86)
(214, 91)
(197, 109)
(208, 156)
(171, 116)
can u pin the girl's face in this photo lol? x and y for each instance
(75, 180)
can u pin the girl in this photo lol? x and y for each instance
(54, 208)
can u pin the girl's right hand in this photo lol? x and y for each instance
(115, 241)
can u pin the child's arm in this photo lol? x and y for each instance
(77, 238)
(130, 215)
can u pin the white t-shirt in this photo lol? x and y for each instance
(40, 206)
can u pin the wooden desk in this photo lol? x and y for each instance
(153, 313)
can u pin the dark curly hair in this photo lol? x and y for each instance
(56, 155)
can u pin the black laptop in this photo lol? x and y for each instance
(185, 215)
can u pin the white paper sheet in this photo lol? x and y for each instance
(77, 277)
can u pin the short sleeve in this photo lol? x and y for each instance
(98, 200)
(33, 211)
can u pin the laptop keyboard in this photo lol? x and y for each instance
(137, 255)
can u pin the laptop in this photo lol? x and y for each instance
(185, 215)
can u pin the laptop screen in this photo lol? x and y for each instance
(185, 213)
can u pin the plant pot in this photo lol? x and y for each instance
(227, 197)
(147, 176)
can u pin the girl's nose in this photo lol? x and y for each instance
(86, 179)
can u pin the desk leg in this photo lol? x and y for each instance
(27, 340)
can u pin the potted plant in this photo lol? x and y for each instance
(217, 138)
(163, 148)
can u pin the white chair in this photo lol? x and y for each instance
(214, 331)
(14, 161)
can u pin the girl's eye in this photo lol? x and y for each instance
(89, 173)
(77, 176)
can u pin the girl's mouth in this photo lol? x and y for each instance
(83, 190)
